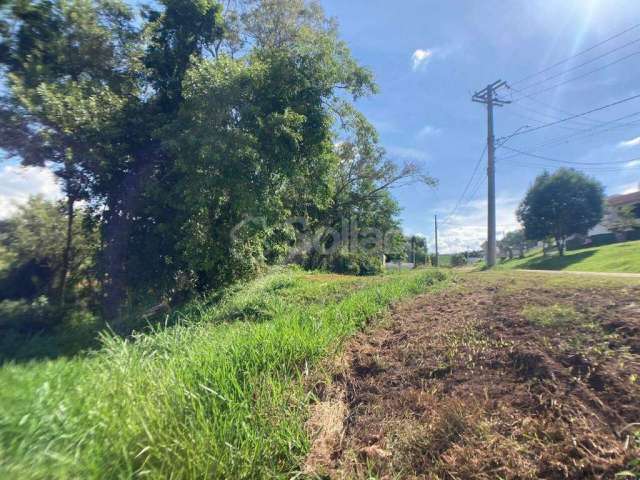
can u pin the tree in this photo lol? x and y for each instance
(561, 204)
(515, 240)
(176, 122)
(33, 240)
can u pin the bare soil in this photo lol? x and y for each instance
(461, 384)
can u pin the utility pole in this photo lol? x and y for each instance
(413, 250)
(437, 253)
(488, 97)
(426, 252)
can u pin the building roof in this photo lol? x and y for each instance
(621, 200)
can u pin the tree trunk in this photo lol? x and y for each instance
(117, 232)
(116, 235)
(66, 257)
(560, 245)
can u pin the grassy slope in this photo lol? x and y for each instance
(219, 396)
(620, 257)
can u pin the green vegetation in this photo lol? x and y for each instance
(218, 395)
(620, 257)
(202, 139)
(550, 316)
(561, 204)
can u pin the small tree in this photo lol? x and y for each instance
(561, 204)
(515, 240)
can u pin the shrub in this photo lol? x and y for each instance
(357, 264)
(24, 316)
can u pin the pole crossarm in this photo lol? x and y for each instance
(486, 95)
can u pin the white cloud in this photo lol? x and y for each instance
(420, 59)
(632, 164)
(634, 142)
(408, 153)
(428, 130)
(467, 229)
(626, 188)
(17, 184)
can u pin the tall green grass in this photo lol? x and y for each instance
(220, 395)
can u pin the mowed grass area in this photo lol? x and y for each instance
(619, 257)
(508, 375)
(219, 395)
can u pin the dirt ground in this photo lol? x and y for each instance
(503, 376)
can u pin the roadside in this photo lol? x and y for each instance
(506, 376)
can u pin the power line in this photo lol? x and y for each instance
(552, 107)
(466, 188)
(617, 35)
(596, 130)
(519, 163)
(576, 67)
(553, 87)
(570, 162)
(539, 121)
(586, 122)
(473, 196)
(546, 125)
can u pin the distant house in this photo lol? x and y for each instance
(613, 204)
(601, 233)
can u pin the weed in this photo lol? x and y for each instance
(551, 316)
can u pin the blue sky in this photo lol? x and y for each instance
(428, 58)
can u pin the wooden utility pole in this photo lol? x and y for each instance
(437, 253)
(413, 250)
(487, 96)
(426, 252)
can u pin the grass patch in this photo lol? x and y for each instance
(620, 257)
(219, 395)
(551, 316)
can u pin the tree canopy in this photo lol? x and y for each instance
(561, 204)
(177, 122)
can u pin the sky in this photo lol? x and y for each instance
(429, 56)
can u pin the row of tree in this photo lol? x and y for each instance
(171, 126)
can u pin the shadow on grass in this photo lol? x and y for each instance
(555, 263)
(69, 340)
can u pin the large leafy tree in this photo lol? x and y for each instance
(176, 122)
(561, 204)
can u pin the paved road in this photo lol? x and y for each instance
(600, 274)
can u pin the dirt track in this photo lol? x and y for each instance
(470, 383)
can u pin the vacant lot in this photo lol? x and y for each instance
(621, 257)
(507, 376)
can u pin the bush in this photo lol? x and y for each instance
(357, 264)
(24, 316)
(603, 239)
(458, 260)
